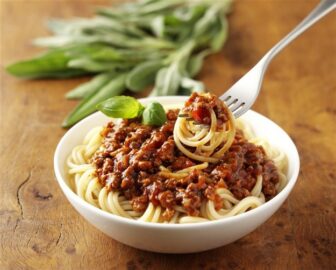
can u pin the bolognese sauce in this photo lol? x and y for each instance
(133, 153)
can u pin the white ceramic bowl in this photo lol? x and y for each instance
(177, 238)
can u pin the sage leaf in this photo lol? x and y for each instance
(191, 14)
(205, 23)
(142, 75)
(158, 26)
(220, 37)
(88, 88)
(167, 81)
(88, 105)
(192, 85)
(195, 63)
(97, 66)
(156, 6)
(110, 13)
(51, 64)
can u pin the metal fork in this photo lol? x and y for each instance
(241, 96)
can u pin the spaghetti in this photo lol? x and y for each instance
(140, 172)
(204, 139)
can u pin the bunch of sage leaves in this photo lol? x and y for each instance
(131, 46)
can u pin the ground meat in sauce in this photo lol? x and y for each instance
(199, 107)
(133, 153)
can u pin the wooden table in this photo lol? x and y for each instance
(40, 230)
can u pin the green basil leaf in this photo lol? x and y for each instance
(143, 75)
(154, 114)
(121, 107)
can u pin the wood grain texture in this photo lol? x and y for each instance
(40, 230)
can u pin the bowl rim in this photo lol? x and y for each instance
(68, 192)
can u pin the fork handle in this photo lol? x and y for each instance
(324, 7)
